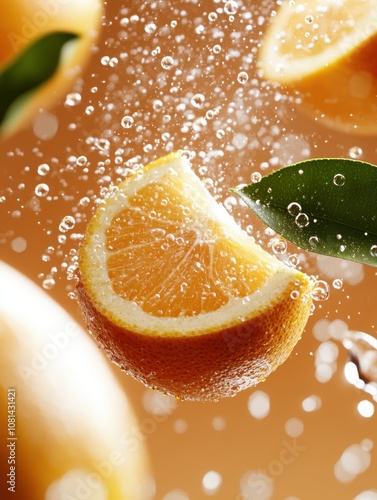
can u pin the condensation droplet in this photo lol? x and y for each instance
(302, 220)
(339, 180)
(41, 190)
(321, 291)
(294, 209)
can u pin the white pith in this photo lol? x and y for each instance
(130, 315)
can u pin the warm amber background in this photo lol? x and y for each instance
(180, 460)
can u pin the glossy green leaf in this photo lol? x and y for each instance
(30, 69)
(327, 206)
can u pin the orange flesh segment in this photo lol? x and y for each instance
(166, 254)
(321, 24)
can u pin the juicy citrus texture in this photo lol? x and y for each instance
(178, 295)
(327, 52)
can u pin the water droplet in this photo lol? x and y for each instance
(127, 121)
(48, 283)
(256, 177)
(321, 291)
(339, 180)
(313, 241)
(242, 77)
(279, 246)
(41, 190)
(302, 220)
(337, 283)
(198, 100)
(361, 369)
(373, 250)
(355, 152)
(294, 208)
(167, 62)
(43, 169)
(230, 7)
(72, 99)
(68, 222)
(150, 28)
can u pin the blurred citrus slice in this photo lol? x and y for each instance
(327, 51)
(74, 430)
(178, 295)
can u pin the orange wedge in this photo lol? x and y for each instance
(178, 295)
(326, 52)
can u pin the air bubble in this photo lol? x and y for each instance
(337, 283)
(81, 161)
(150, 28)
(242, 77)
(41, 190)
(309, 19)
(294, 208)
(339, 180)
(48, 283)
(321, 291)
(68, 222)
(167, 62)
(212, 16)
(313, 241)
(302, 220)
(373, 250)
(217, 49)
(279, 246)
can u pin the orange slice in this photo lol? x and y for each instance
(178, 295)
(326, 50)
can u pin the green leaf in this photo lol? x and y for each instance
(338, 200)
(30, 69)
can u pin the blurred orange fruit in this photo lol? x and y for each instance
(67, 428)
(178, 295)
(325, 51)
(23, 22)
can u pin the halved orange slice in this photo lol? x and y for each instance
(178, 295)
(326, 52)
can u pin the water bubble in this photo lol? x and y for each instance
(41, 190)
(68, 222)
(293, 260)
(294, 208)
(373, 250)
(309, 19)
(220, 133)
(302, 220)
(337, 283)
(72, 99)
(150, 28)
(339, 180)
(81, 161)
(321, 291)
(48, 283)
(295, 294)
(167, 62)
(89, 110)
(212, 16)
(242, 77)
(230, 7)
(217, 49)
(279, 246)
(43, 169)
(157, 105)
(105, 60)
(256, 177)
(127, 121)
(355, 152)
(313, 241)
(198, 100)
